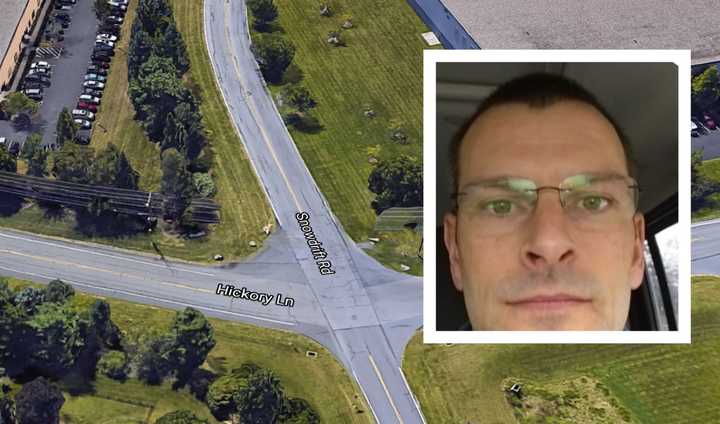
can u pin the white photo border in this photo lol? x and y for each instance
(681, 58)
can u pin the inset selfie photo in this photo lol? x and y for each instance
(556, 196)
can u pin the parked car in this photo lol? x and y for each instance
(110, 28)
(44, 80)
(32, 84)
(83, 123)
(66, 1)
(99, 45)
(39, 71)
(94, 69)
(117, 8)
(66, 7)
(83, 114)
(103, 51)
(95, 85)
(81, 139)
(14, 148)
(89, 99)
(114, 19)
(92, 92)
(34, 93)
(95, 77)
(100, 65)
(40, 64)
(100, 57)
(62, 16)
(709, 122)
(88, 106)
(104, 43)
(106, 36)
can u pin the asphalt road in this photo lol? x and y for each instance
(370, 311)
(705, 248)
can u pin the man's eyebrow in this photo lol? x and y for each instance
(492, 181)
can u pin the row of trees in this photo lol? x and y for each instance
(20, 108)
(167, 108)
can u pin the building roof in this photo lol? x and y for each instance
(11, 12)
(592, 24)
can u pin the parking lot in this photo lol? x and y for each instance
(67, 70)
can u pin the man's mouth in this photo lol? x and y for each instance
(549, 302)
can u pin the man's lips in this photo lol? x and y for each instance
(552, 301)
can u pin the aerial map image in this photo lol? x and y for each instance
(211, 211)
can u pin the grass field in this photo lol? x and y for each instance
(711, 169)
(321, 381)
(381, 69)
(244, 207)
(655, 383)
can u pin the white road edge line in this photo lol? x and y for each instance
(367, 399)
(99, 254)
(387, 392)
(159, 299)
(412, 396)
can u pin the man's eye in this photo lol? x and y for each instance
(594, 203)
(499, 207)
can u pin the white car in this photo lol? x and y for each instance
(105, 42)
(83, 123)
(40, 65)
(82, 113)
(96, 85)
(106, 37)
(89, 99)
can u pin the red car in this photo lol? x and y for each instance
(709, 122)
(87, 106)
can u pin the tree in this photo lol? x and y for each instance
(155, 94)
(220, 394)
(204, 184)
(397, 183)
(7, 162)
(72, 163)
(35, 155)
(112, 168)
(700, 185)
(193, 339)
(58, 291)
(173, 47)
(141, 45)
(298, 411)
(113, 364)
(176, 184)
(7, 408)
(17, 102)
(66, 128)
(29, 299)
(59, 338)
(274, 54)
(183, 130)
(12, 329)
(39, 401)
(152, 358)
(263, 11)
(261, 399)
(299, 96)
(104, 328)
(706, 88)
(153, 15)
(180, 417)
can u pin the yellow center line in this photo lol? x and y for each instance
(264, 134)
(107, 271)
(387, 392)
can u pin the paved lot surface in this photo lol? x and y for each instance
(68, 73)
(592, 24)
(706, 247)
(710, 143)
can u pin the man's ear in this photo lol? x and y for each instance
(450, 228)
(637, 267)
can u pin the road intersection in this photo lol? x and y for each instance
(362, 312)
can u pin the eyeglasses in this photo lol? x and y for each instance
(591, 202)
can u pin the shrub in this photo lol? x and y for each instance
(114, 364)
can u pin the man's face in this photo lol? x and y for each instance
(550, 273)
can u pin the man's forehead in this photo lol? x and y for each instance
(515, 136)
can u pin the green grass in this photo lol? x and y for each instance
(321, 381)
(655, 383)
(244, 207)
(711, 169)
(380, 68)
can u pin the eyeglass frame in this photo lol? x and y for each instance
(632, 184)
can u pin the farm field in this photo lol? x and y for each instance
(653, 383)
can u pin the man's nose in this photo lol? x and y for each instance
(548, 239)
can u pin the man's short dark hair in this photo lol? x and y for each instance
(537, 90)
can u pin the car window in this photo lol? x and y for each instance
(667, 241)
(653, 283)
